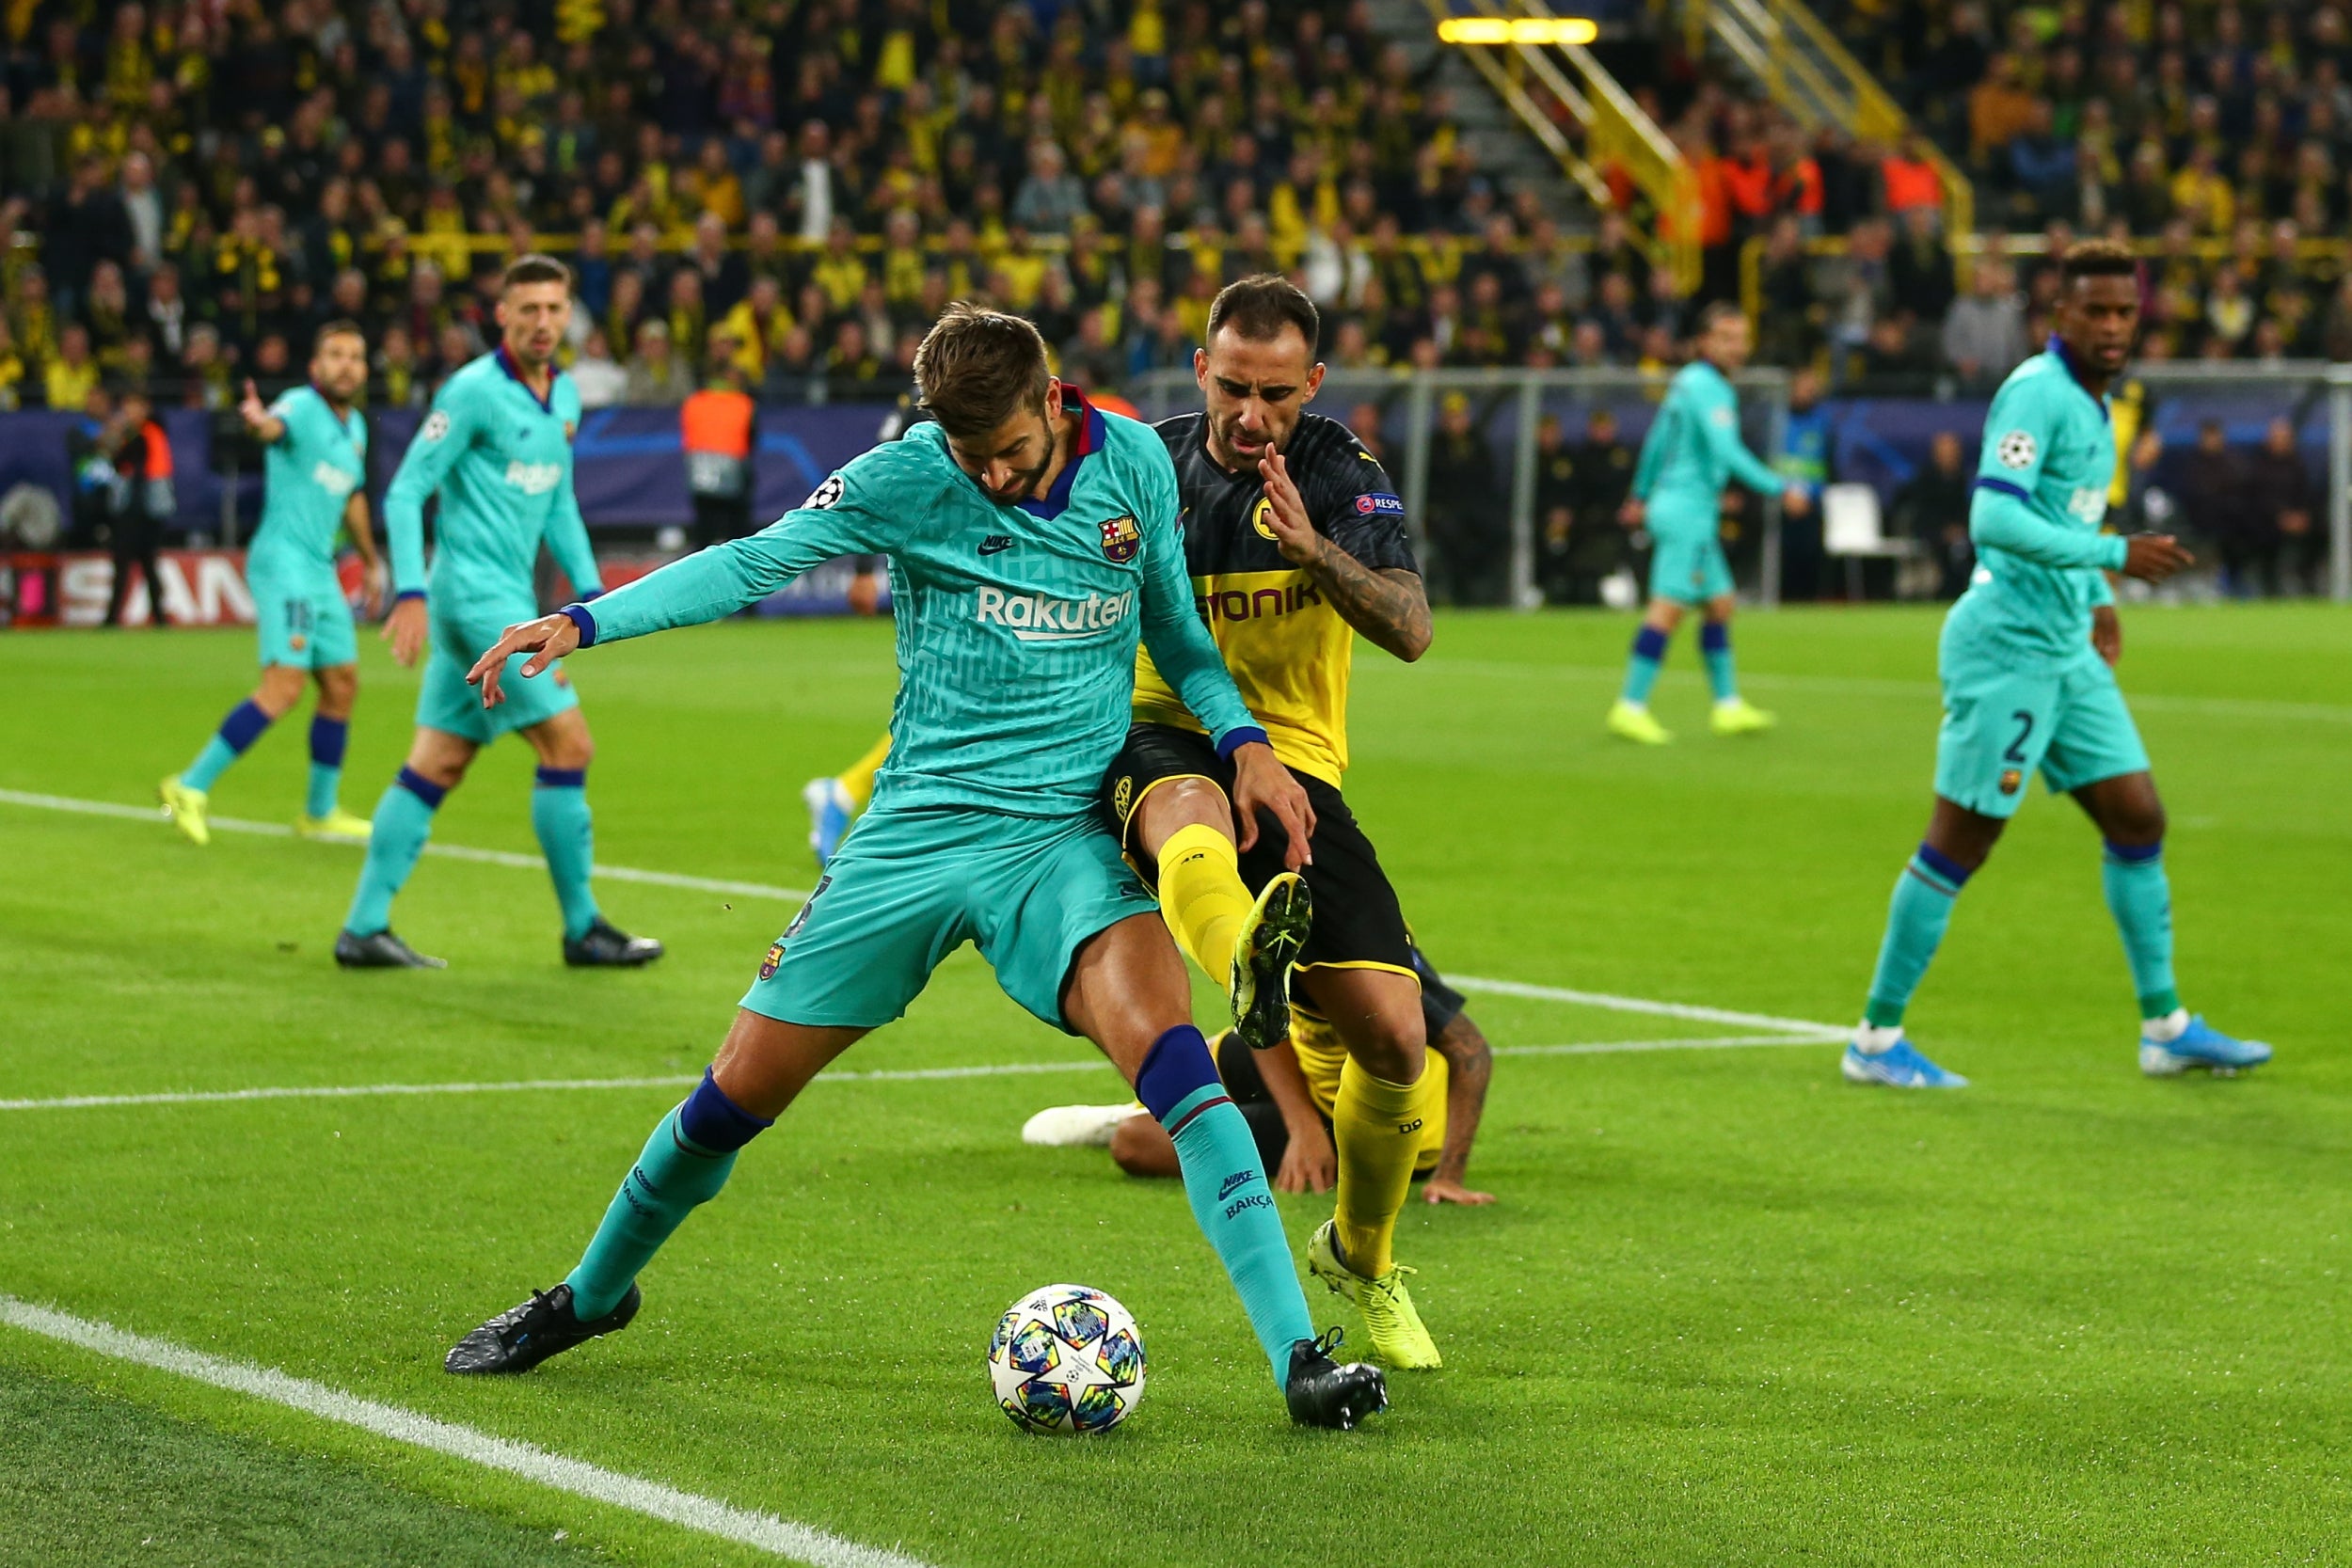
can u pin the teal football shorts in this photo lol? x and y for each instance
(445, 702)
(303, 619)
(1688, 567)
(2002, 722)
(910, 887)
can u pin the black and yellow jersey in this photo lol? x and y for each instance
(1288, 649)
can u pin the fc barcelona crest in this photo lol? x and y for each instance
(1121, 539)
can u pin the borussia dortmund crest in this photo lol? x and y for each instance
(1121, 539)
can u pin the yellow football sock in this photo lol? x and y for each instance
(857, 780)
(1377, 1127)
(1202, 897)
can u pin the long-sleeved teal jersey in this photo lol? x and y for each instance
(1017, 625)
(2040, 496)
(502, 461)
(309, 474)
(1693, 448)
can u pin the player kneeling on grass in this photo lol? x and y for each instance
(1288, 1092)
(315, 471)
(2026, 661)
(496, 448)
(1693, 447)
(1017, 668)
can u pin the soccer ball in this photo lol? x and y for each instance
(1067, 1359)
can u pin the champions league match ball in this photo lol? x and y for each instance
(1066, 1360)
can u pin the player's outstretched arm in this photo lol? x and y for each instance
(847, 515)
(1470, 1067)
(267, 428)
(1391, 608)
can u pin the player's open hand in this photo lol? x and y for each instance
(1632, 512)
(1445, 1189)
(1261, 782)
(1286, 512)
(1310, 1164)
(546, 639)
(251, 409)
(404, 630)
(2154, 557)
(1794, 500)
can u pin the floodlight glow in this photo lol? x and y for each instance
(1524, 29)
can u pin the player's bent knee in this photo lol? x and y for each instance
(1176, 804)
(280, 689)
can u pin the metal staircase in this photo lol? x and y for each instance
(1797, 62)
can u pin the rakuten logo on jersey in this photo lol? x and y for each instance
(2089, 503)
(1036, 618)
(534, 478)
(334, 481)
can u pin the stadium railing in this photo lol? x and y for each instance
(1507, 409)
(1877, 441)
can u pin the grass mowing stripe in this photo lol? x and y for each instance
(761, 890)
(707, 1515)
(1864, 686)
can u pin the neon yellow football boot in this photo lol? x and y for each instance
(1258, 990)
(336, 825)
(1634, 721)
(185, 807)
(1738, 716)
(1391, 1321)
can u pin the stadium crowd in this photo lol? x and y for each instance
(787, 189)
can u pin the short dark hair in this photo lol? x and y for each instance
(341, 326)
(1713, 311)
(535, 266)
(1260, 308)
(977, 367)
(2096, 259)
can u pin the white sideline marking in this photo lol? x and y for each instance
(1721, 1043)
(521, 1085)
(447, 851)
(762, 890)
(782, 1537)
(887, 1075)
(1638, 1005)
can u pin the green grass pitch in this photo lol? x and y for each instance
(1729, 1309)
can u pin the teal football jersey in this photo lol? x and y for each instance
(2040, 496)
(1017, 625)
(309, 474)
(1692, 449)
(501, 462)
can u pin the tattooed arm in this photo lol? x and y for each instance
(1388, 606)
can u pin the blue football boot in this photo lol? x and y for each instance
(1898, 1067)
(2200, 1045)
